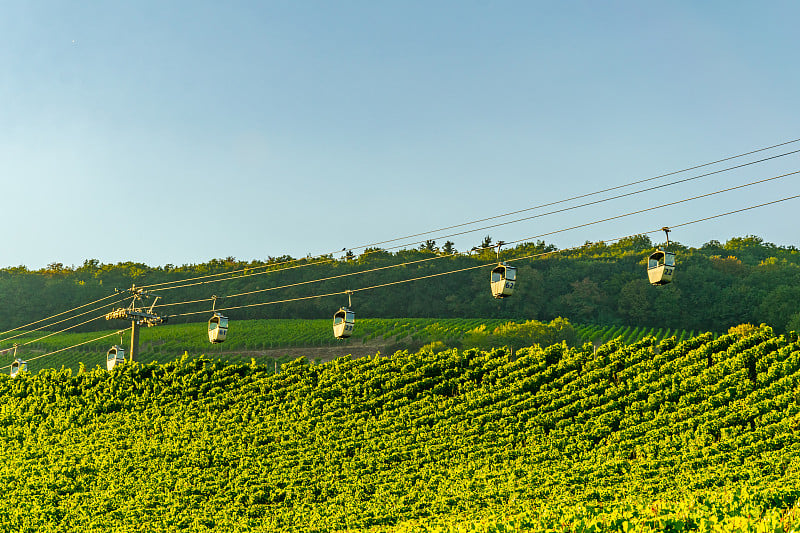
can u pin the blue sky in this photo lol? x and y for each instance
(177, 132)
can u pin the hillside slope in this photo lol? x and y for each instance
(408, 440)
(287, 339)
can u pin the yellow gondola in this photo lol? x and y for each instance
(114, 357)
(344, 320)
(18, 366)
(503, 279)
(661, 264)
(217, 328)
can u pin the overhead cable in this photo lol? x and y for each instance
(58, 314)
(28, 360)
(25, 332)
(526, 239)
(439, 274)
(607, 199)
(473, 230)
(484, 265)
(60, 331)
(600, 192)
(660, 206)
(220, 274)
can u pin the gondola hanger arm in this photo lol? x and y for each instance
(499, 244)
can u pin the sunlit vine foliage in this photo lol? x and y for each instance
(555, 436)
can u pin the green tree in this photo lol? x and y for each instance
(634, 302)
(585, 300)
(779, 306)
(429, 246)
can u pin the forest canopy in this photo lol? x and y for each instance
(716, 286)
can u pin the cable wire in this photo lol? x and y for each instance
(68, 348)
(732, 212)
(60, 331)
(25, 332)
(58, 314)
(484, 265)
(473, 230)
(601, 201)
(439, 274)
(196, 283)
(660, 206)
(220, 274)
(530, 238)
(376, 269)
(604, 191)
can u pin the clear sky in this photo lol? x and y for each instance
(177, 132)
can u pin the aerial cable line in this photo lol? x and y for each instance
(526, 239)
(484, 265)
(594, 202)
(600, 192)
(60, 331)
(439, 274)
(28, 360)
(157, 286)
(232, 278)
(318, 280)
(461, 233)
(473, 230)
(323, 256)
(735, 211)
(59, 314)
(60, 321)
(661, 206)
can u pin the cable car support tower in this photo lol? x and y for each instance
(138, 316)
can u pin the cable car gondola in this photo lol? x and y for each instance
(217, 328)
(661, 264)
(344, 320)
(115, 356)
(18, 366)
(503, 279)
(217, 325)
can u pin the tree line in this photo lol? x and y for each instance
(716, 286)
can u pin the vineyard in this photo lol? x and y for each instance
(699, 435)
(258, 338)
(628, 334)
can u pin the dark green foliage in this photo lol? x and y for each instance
(715, 287)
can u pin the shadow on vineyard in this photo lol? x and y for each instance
(655, 435)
